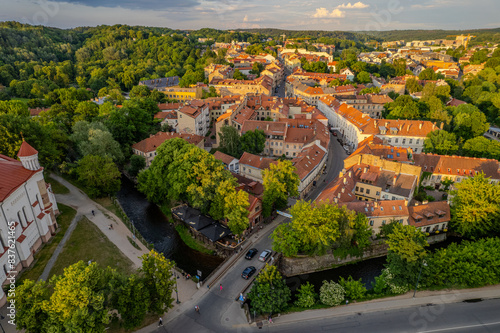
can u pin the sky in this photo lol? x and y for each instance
(244, 14)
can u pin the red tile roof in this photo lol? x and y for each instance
(256, 161)
(225, 158)
(457, 165)
(26, 150)
(308, 160)
(438, 211)
(388, 208)
(154, 141)
(13, 175)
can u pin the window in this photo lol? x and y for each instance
(361, 190)
(367, 191)
(378, 193)
(416, 150)
(396, 140)
(383, 222)
(393, 198)
(357, 188)
(418, 141)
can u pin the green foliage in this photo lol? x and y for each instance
(354, 289)
(427, 74)
(29, 299)
(363, 77)
(237, 75)
(158, 281)
(403, 107)
(413, 86)
(407, 242)
(137, 163)
(331, 293)
(133, 301)
(99, 174)
(280, 181)
(306, 296)
(269, 293)
(253, 142)
(469, 122)
(482, 147)
(476, 207)
(230, 141)
(441, 142)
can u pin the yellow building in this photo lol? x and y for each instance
(183, 94)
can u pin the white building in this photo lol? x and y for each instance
(27, 212)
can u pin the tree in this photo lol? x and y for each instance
(403, 107)
(86, 111)
(413, 86)
(99, 174)
(79, 300)
(237, 75)
(133, 301)
(476, 207)
(482, 147)
(14, 107)
(354, 289)
(280, 182)
(306, 297)
(363, 77)
(331, 293)
(158, 281)
(427, 74)
(137, 163)
(230, 141)
(253, 142)
(469, 121)
(236, 211)
(269, 293)
(95, 139)
(29, 301)
(441, 142)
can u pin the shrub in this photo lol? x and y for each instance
(331, 293)
(306, 296)
(354, 289)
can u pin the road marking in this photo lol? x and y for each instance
(461, 327)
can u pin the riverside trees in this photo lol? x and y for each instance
(182, 171)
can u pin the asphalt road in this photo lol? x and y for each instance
(456, 317)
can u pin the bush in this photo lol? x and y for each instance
(306, 296)
(331, 293)
(354, 289)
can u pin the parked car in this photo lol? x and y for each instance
(248, 272)
(251, 253)
(265, 255)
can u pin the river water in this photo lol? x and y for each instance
(153, 225)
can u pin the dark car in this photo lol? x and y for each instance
(248, 272)
(251, 253)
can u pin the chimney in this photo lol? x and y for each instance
(375, 204)
(408, 128)
(350, 174)
(375, 123)
(441, 126)
(420, 125)
(406, 202)
(345, 180)
(394, 180)
(365, 170)
(386, 123)
(400, 127)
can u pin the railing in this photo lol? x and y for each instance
(125, 219)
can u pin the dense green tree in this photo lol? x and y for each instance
(363, 77)
(441, 142)
(29, 301)
(133, 302)
(14, 108)
(137, 163)
(269, 293)
(482, 147)
(229, 141)
(413, 86)
(469, 122)
(237, 75)
(99, 174)
(253, 142)
(280, 181)
(428, 74)
(158, 281)
(476, 207)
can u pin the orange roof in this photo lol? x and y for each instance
(155, 140)
(388, 208)
(13, 175)
(457, 165)
(225, 158)
(308, 160)
(26, 150)
(224, 116)
(428, 214)
(256, 161)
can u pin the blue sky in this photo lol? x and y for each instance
(285, 14)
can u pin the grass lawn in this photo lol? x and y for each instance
(190, 241)
(57, 187)
(44, 255)
(86, 243)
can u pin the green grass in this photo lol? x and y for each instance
(86, 243)
(190, 241)
(57, 187)
(44, 255)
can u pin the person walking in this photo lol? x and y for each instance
(220, 287)
(93, 214)
(160, 323)
(197, 309)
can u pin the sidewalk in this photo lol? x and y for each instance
(393, 303)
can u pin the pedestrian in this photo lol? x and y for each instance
(346, 302)
(270, 318)
(220, 287)
(161, 322)
(93, 214)
(197, 309)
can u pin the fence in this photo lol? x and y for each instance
(123, 216)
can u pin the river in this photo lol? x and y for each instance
(153, 225)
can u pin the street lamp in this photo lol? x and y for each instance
(424, 263)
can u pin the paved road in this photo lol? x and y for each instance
(455, 317)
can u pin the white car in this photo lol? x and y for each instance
(265, 255)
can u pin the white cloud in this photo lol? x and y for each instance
(324, 13)
(245, 19)
(357, 5)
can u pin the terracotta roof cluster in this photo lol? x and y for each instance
(13, 175)
(428, 214)
(269, 127)
(256, 161)
(169, 106)
(374, 146)
(155, 140)
(341, 188)
(26, 150)
(166, 115)
(36, 111)
(225, 158)
(383, 208)
(457, 165)
(249, 185)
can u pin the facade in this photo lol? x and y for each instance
(260, 85)
(372, 105)
(147, 147)
(194, 118)
(251, 166)
(380, 213)
(183, 94)
(168, 117)
(27, 212)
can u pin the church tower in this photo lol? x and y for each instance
(28, 156)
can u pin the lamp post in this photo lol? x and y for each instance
(424, 263)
